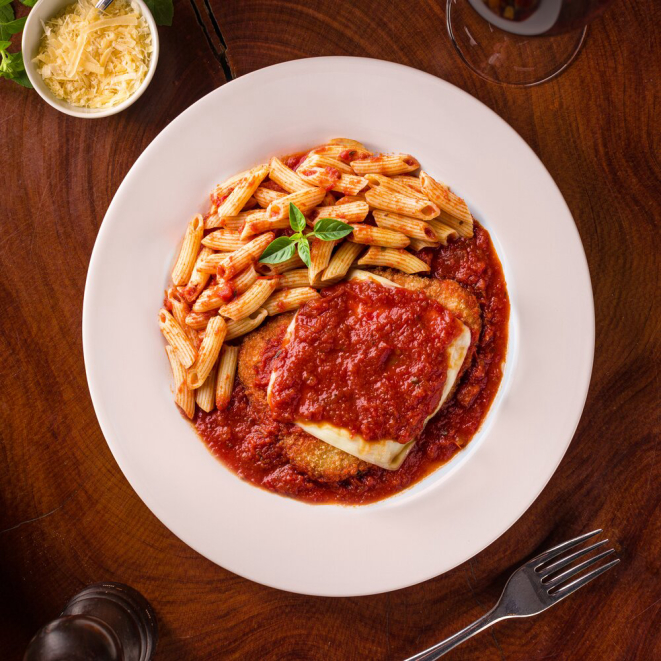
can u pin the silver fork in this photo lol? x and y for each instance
(531, 589)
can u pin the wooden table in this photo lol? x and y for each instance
(68, 516)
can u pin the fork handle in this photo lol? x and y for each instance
(438, 650)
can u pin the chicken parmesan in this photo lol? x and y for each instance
(325, 363)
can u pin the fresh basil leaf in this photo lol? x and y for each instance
(296, 218)
(22, 79)
(304, 251)
(7, 28)
(12, 67)
(6, 11)
(4, 45)
(331, 229)
(162, 11)
(279, 250)
(29, 3)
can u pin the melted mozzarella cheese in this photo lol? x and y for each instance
(387, 454)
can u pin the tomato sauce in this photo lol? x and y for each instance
(365, 357)
(245, 436)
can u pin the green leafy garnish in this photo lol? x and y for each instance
(162, 11)
(12, 67)
(279, 250)
(304, 251)
(9, 24)
(284, 247)
(11, 64)
(296, 218)
(331, 229)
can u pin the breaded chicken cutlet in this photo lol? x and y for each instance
(306, 453)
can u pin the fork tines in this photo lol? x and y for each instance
(557, 582)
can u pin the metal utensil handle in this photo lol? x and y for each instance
(438, 650)
(103, 4)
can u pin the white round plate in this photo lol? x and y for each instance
(458, 510)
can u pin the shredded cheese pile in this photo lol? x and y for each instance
(94, 59)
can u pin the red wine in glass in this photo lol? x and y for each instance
(520, 42)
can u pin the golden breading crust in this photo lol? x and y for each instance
(250, 356)
(306, 453)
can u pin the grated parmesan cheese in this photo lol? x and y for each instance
(95, 59)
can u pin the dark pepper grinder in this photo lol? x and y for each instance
(103, 622)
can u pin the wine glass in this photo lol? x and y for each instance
(520, 43)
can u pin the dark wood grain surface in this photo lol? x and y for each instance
(67, 515)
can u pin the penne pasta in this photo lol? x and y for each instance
(396, 259)
(212, 219)
(346, 142)
(265, 196)
(417, 244)
(185, 263)
(332, 151)
(221, 191)
(229, 358)
(350, 184)
(376, 180)
(414, 207)
(325, 161)
(462, 228)
(376, 236)
(213, 297)
(389, 164)
(447, 201)
(341, 261)
(235, 223)
(214, 336)
(289, 299)
(413, 228)
(176, 338)
(252, 299)
(304, 200)
(242, 192)
(286, 177)
(351, 212)
(317, 175)
(348, 199)
(328, 201)
(294, 262)
(212, 262)
(265, 224)
(443, 229)
(247, 254)
(224, 240)
(242, 326)
(409, 182)
(292, 279)
(199, 277)
(320, 254)
(180, 310)
(239, 283)
(199, 320)
(344, 153)
(183, 396)
(205, 396)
